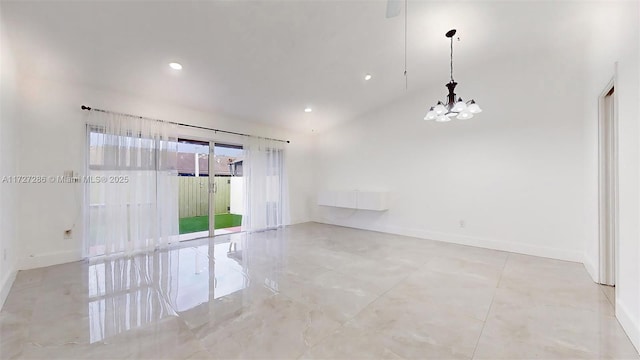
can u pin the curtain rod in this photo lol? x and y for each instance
(181, 124)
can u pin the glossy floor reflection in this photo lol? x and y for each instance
(312, 291)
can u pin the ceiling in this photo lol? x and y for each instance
(268, 60)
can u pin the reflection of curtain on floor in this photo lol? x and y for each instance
(266, 194)
(126, 293)
(134, 205)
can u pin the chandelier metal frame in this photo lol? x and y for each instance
(462, 110)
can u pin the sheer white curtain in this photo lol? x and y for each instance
(133, 194)
(266, 193)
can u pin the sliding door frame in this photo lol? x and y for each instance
(212, 189)
(212, 186)
(186, 134)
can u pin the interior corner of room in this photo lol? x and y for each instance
(308, 144)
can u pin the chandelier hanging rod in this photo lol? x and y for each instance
(450, 34)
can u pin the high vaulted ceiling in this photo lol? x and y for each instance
(267, 60)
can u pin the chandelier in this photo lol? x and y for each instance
(460, 109)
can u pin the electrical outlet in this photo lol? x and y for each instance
(462, 223)
(67, 234)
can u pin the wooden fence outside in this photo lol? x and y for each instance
(193, 198)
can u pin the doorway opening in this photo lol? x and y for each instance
(193, 189)
(228, 188)
(211, 188)
(608, 186)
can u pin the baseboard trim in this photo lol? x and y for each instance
(553, 253)
(49, 259)
(6, 286)
(629, 324)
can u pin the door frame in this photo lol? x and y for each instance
(608, 218)
(212, 175)
(199, 140)
(212, 189)
(212, 138)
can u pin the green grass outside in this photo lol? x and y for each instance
(201, 223)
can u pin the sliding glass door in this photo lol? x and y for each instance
(193, 188)
(147, 188)
(211, 188)
(227, 189)
(151, 189)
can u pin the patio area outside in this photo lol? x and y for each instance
(201, 223)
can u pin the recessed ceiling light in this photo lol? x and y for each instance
(307, 109)
(368, 77)
(175, 66)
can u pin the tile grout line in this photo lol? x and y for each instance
(356, 315)
(484, 323)
(366, 306)
(383, 294)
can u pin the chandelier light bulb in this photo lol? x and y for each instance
(465, 115)
(440, 109)
(431, 115)
(443, 118)
(459, 106)
(474, 108)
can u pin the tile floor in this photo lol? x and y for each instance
(312, 291)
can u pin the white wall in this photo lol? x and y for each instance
(513, 174)
(8, 118)
(52, 140)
